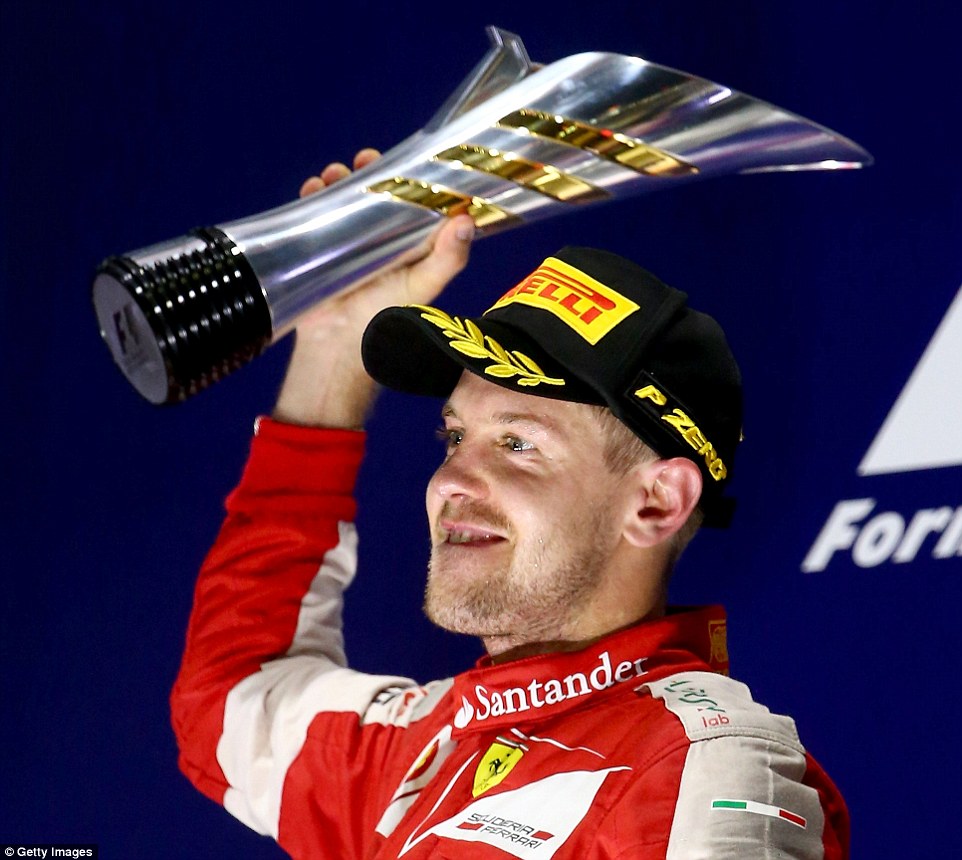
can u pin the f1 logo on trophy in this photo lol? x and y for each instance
(515, 143)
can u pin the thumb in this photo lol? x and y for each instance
(448, 256)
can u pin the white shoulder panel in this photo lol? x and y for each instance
(711, 705)
(399, 705)
(741, 793)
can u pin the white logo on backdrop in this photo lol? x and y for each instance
(922, 431)
(924, 428)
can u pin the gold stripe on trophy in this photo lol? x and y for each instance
(608, 144)
(440, 199)
(529, 174)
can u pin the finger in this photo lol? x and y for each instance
(311, 186)
(365, 156)
(452, 247)
(333, 172)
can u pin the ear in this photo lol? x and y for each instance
(665, 494)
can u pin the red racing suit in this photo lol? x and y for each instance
(638, 746)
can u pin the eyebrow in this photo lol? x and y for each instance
(511, 418)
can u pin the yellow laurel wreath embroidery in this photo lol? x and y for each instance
(469, 340)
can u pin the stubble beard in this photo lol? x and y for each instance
(535, 596)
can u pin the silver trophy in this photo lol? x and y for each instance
(515, 143)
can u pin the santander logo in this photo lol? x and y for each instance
(538, 694)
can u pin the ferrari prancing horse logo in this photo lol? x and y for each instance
(496, 764)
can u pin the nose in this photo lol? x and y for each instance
(461, 475)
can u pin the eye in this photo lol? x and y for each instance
(450, 436)
(514, 443)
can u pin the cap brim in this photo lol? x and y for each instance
(400, 352)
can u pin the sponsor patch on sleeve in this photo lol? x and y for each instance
(710, 705)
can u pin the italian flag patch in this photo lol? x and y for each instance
(760, 809)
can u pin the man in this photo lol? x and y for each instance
(602, 724)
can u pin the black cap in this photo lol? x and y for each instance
(590, 327)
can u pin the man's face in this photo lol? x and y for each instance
(522, 514)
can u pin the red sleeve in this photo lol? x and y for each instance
(281, 520)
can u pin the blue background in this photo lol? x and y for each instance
(126, 124)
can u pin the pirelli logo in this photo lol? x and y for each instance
(587, 306)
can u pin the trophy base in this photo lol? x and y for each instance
(177, 325)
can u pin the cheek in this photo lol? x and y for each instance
(573, 510)
(432, 503)
(543, 515)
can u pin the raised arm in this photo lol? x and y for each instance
(264, 663)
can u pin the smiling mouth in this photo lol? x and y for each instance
(463, 537)
(470, 525)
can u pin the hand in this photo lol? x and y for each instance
(326, 384)
(418, 276)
